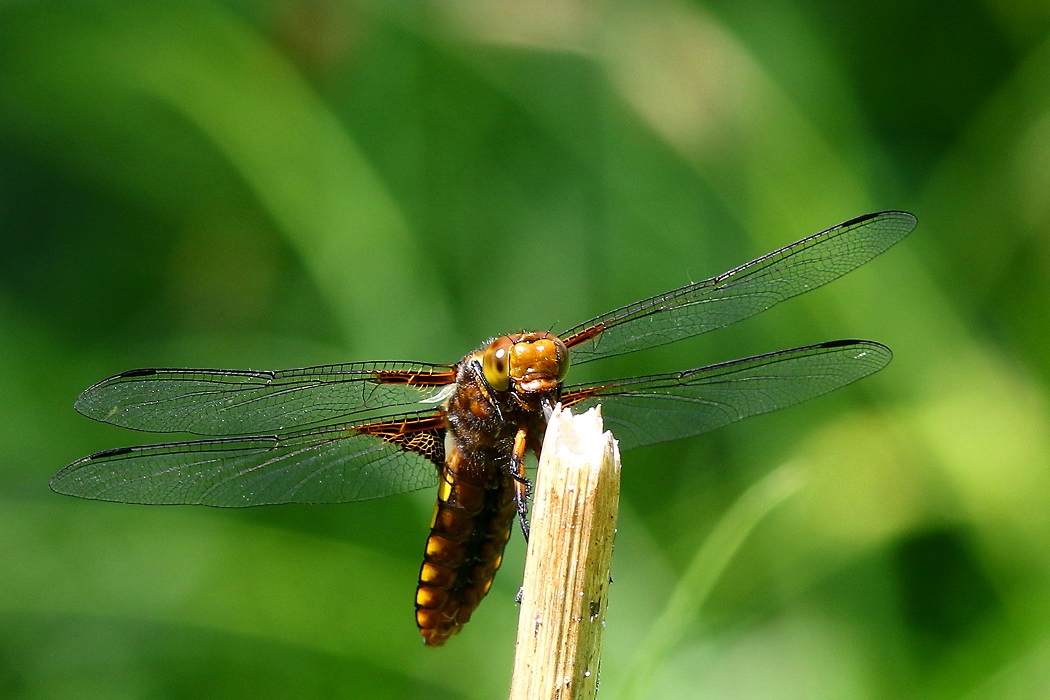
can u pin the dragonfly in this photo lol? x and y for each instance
(363, 430)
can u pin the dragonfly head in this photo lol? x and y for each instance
(529, 363)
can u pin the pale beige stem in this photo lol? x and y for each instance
(566, 587)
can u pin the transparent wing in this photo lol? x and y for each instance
(740, 293)
(320, 466)
(662, 407)
(236, 402)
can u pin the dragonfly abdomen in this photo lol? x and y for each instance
(469, 531)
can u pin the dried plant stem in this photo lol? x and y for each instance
(565, 593)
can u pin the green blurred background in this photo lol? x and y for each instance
(295, 182)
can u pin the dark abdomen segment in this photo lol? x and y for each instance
(472, 520)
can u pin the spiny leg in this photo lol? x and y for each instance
(522, 486)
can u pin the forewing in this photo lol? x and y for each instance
(657, 408)
(740, 293)
(235, 402)
(322, 466)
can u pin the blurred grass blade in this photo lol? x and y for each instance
(711, 560)
(234, 87)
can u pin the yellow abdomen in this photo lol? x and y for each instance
(472, 520)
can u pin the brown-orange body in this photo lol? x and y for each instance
(482, 483)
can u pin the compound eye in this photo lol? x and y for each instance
(563, 358)
(495, 363)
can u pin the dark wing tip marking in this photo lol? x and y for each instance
(106, 454)
(144, 372)
(851, 341)
(887, 214)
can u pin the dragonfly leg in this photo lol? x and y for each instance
(522, 486)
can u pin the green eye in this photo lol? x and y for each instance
(563, 358)
(495, 363)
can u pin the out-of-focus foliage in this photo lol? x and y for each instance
(296, 182)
